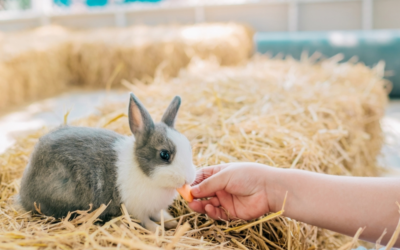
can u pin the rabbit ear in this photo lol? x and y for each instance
(140, 120)
(171, 112)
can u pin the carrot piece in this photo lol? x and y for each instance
(185, 192)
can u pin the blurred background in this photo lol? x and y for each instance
(364, 30)
(74, 61)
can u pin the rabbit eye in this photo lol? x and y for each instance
(164, 154)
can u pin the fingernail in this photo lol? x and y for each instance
(195, 190)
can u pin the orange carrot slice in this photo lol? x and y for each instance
(185, 192)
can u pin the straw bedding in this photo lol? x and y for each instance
(320, 117)
(48, 60)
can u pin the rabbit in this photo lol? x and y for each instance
(72, 167)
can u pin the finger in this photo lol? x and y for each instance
(207, 172)
(215, 213)
(201, 175)
(199, 205)
(226, 199)
(209, 186)
(214, 201)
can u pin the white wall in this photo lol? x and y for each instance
(387, 14)
(263, 15)
(330, 16)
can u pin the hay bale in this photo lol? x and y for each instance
(48, 60)
(319, 117)
(33, 65)
(101, 57)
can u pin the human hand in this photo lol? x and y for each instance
(236, 191)
(338, 203)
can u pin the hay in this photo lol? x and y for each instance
(320, 117)
(109, 55)
(32, 65)
(45, 61)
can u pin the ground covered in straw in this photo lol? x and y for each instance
(320, 117)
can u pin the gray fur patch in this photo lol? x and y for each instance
(140, 121)
(147, 152)
(70, 168)
(170, 114)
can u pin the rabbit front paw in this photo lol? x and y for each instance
(170, 223)
(149, 225)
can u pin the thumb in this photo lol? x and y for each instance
(207, 172)
(211, 185)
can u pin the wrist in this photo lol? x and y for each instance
(277, 184)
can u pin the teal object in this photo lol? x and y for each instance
(96, 3)
(25, 4)
(369, 46)
(63, 3)
(143, 1)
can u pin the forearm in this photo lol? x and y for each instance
(337, 203)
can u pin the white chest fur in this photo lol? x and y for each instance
(141, 196)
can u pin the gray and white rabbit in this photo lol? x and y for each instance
(72, 167)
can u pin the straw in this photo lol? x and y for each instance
(258, 112)
(43, 62)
